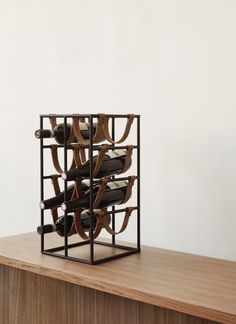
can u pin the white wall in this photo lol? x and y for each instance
(171, 61)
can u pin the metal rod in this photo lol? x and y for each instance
(91, 188)
(113, 178)
(95, 147)
(116, 256)
(117, 211)
(50, 176)
(138, 184)
(73, 245)
(65, 187)
(67, 258)
(124, 247)
(62, 247)
(112, 257)
(86, 115)
(41, 183)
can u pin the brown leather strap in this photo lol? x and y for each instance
(106, 132)
(53, 121)
(102, 151)
(128, 158)
(129, 189)
(77, 156)
(83, 155)
(79, 227)
(124, 224)
(73, 228)
(54, 214)
(56, 187)
(100, 192)
(98, 136)
(71, 137)
(55, 159)
(78, 190)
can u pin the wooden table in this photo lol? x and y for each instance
(156, 286)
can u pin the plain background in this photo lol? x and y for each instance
(171, 61)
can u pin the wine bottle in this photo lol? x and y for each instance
(58, 132)
(114, 194)
(57, 200)
(113, 163)
(59, 226)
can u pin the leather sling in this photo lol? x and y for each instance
(129, 189)
(53, 122)
(98, 136)
(124, 224)
(100, 192)
(102, 130)
(128, 158)
(56, 163)
(106, 132)
(77, 155)
(103, 149)
(79, 228)
(102, 189)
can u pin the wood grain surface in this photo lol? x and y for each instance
(191, 284)
(35, 299)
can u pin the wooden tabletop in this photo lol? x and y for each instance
(196, 285)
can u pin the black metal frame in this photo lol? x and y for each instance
(91, 147)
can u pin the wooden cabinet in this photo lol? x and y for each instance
(156, 286)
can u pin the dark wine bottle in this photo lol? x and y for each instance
(112, 163)
(59, 226)
(58, 132)
(58, 200)
(114, 194)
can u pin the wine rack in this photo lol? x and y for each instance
(94, 144)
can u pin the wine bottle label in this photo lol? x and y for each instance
(116, 153)
(117, 184)
(83, 126)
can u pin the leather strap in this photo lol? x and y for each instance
(100, 192)
(54, 214)
(124, 224)
(55, 159)
(79, 227)
(129, 189)
(102, 151)
(128, 158)
(98, 136)
(106, 132)
(73, 229)
(53, 121)
(83, 155)
(77, 156)
(54, 178)
(71, 137)
(78, 190)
